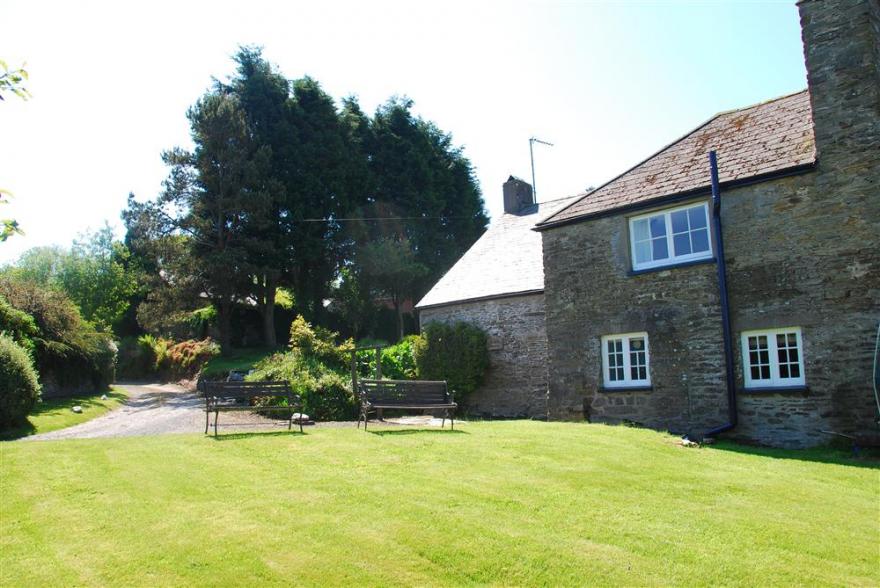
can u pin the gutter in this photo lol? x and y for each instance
(725, 303)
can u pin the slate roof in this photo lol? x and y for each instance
(506, 260)
(762, 139)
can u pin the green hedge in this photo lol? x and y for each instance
(456, 353)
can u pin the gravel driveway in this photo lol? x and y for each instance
(154, 409)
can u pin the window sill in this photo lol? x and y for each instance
(648, 270)
(639, 388)
(776, 390)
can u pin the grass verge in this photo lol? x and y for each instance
(501, 503)
(55, 413)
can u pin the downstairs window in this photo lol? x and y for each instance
(625, 360)
(773, 358)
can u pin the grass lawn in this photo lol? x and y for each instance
(56, 413)
(501, 503)
(238, 359)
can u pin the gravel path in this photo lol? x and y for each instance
(155, 409)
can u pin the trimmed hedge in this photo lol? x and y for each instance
(19, 386)
(456, 353)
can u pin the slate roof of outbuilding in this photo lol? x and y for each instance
(762, 139)
(506, 260)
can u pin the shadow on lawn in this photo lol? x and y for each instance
(419, 432)
(832, 454)
(235, 436)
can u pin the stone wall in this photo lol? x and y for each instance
(801, 251)
(516, 383)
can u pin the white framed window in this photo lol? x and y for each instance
(773, 358)
(625, 360)
(670, 236)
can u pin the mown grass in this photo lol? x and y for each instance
(504, 503)
(56, 413)
(237, 359)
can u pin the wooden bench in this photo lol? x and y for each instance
(230, 396)
(376, 395)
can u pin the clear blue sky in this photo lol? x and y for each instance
(608, 82)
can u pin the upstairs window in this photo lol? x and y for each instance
(671, 236)
(625, 360)
(773, 359)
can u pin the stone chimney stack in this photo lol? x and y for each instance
(842, 52)
(517, 195)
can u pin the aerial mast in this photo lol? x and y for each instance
(532, 141)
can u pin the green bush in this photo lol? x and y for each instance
(18, 324)
(398, 361)
(155, 357)
(317, 369)
(19, 387)
(326, 393)
(456, 353)
(69, 353)
(319, 343)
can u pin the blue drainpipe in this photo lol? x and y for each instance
(725, 305)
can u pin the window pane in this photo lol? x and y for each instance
(660, 249)
(679, 221)
(640, 230)
(795, 370)
(658, 226)
(759, 358)
(682, 244)
(643, 252)
(697, 217)
(700, 240)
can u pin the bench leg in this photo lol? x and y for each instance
(443, 422)
(451, 420)
(290, 420)
(380, 415)
(207, 420)
(216, 415)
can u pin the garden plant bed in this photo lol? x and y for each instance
(513, 502)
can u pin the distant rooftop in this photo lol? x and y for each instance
(506, 260)
(762, 139)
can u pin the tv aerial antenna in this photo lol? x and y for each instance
(532, 141)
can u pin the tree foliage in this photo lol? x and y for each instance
(93, 273)
(270, 196)
(69, 353)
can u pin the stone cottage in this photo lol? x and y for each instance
(634, 298)
(498, 285)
